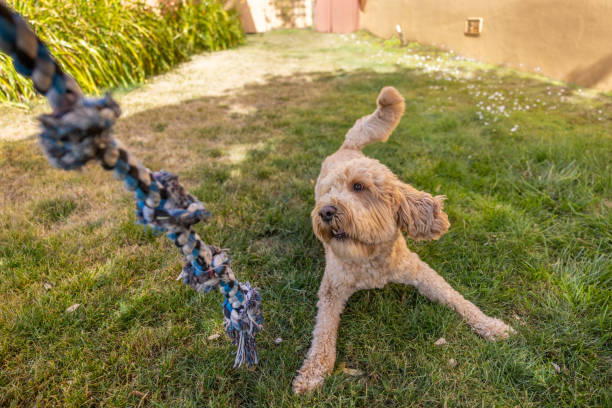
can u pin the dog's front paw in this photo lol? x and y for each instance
(304, 383)
(493, 329)
(310, 377)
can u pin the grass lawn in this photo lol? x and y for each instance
(525, 163)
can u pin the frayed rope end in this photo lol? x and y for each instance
(243, 324)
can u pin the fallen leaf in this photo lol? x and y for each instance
(441, 341)
(352, 372)
(73, 307)
(47, 286)
(214, 336)
(142, 396)
(452, 362)
(556, 367)
(518, 319)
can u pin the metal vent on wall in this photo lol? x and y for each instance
(473, 26)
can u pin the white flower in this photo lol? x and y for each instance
(514, 128)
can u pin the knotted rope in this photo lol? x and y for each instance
(80, 130)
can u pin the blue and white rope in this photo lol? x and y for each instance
(80, 130)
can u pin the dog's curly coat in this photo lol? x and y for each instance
(361, 210)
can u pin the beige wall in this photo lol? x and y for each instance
(569, 40)
(258, 16)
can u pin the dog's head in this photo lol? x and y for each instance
(361, 204)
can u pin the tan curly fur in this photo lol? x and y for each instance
(363, 240)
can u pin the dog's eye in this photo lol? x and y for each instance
(357, 187)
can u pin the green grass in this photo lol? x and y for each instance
(106, 44)
(530, 242)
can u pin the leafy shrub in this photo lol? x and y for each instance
(107, 43)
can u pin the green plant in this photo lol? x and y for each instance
(104, 44)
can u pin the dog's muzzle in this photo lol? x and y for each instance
(327, 213)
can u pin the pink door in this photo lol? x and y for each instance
(337, 16)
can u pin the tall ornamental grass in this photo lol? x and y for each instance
(106, 43)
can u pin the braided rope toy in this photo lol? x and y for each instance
(80, 130)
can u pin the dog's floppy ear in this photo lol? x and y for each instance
(420, 214)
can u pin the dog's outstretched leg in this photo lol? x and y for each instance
(322, 354)
(433, 286)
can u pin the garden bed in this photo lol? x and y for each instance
(105, 44)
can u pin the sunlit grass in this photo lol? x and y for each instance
(530, 242)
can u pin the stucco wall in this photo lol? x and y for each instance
(258, 16)
(569, 40)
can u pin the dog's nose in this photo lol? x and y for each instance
(327, 213)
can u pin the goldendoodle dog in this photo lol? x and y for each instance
(361, 210)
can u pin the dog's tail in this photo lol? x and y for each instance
(378, 126)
